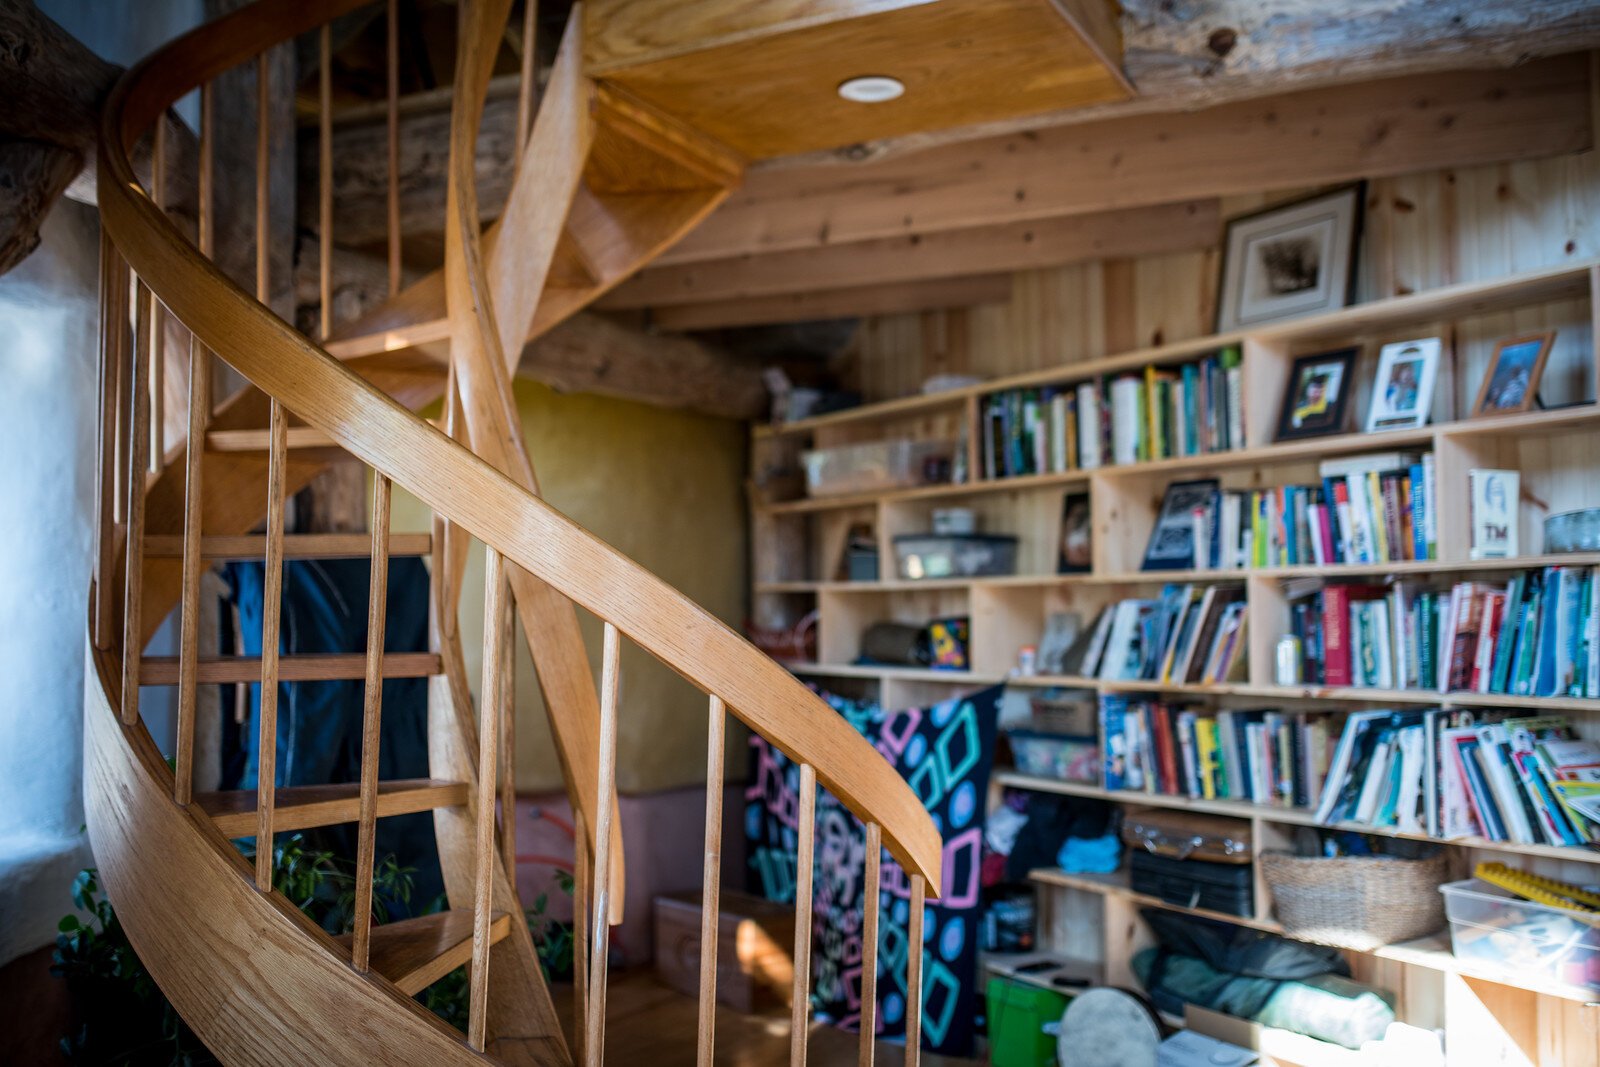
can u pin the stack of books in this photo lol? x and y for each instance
(1539, 635)
(1454, 773)
(1367, 509)
(1264, 757)
(1189, 634)
(1192, 409)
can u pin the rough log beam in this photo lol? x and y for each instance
(52, 86)
(1187, 54)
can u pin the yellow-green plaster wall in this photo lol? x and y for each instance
(666, 488)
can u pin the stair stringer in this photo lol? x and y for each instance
(253, 977)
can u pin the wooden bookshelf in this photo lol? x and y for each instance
(797, 544)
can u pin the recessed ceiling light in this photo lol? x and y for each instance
(872, 89)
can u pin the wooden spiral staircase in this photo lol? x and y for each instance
(603, 184)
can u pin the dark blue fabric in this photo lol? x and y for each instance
(945, 752)
(319, 723)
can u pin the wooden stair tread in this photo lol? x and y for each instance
(295, 546)
(300, 807)
(305, 667)
(257, 440)
(415, 953)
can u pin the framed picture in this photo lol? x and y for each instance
(1318, 390)
(1182, 529)
(1402, 390)
(1075, 526)
(1512, 381)
(1290, 260)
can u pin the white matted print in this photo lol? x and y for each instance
(1402, 390)
(1290, 260)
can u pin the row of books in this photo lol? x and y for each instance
(1368, 509)
(1264, 757)
(1539, 635)
(1445, 773)
(1189, 634)
(1193, 409)
(1454, 773)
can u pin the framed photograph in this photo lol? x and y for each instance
(1188, 510)
(1290, 260)
(1075, 526)
(1315, 398)
(1402, 390)
(1512, 381)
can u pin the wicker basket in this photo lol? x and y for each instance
(1357, 902)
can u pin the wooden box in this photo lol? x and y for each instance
(755, 948)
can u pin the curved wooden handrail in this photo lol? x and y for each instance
(451, 479)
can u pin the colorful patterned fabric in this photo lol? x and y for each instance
(945, 753)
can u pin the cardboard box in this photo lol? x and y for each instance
(755, 948)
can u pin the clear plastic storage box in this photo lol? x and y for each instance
(955, 555)
(872, 466)
(1063, 757)
(1493, 926)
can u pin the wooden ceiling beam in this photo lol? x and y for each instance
(1182, 227)
(837, 303)
(1392, 126)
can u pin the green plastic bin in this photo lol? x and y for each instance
(1018, 1014)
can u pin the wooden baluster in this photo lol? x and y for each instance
(582, 886)
(595, 1019)
(189, 614)
(392, 62)
(371, 723)
(488, 738)
(712, 875)
(113, 352)
(263, 180)
(800, 1014)
(271, 610)
(133, 553)
(919, 889)
(158, 314)
(528, 89)
(208, 171)
(508, 743)
(869, 945)
(325, 177)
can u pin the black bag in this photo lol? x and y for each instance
(1224, 887)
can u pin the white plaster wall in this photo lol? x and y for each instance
(48, 389)
(47, 438)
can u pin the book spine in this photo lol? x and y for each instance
(1420, 507)
(1335, 636)
(1430, 493)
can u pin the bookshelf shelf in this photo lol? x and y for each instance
(1156, 578)
(1431, 952)
(1532, 423)
(1240, 809)
(1116, 884)
(1465, 300)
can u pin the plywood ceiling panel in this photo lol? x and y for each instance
(770, 88)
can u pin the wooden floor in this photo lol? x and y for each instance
(651, 1025)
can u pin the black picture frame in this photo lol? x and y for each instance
(1304, 414)
(1074, 552)
(1346, 204)
(1172, 544)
